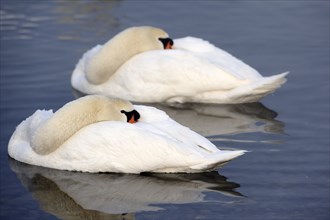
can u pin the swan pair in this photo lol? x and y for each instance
(100, 134)
(104, 134)
(143, 64)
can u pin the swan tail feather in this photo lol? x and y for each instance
(260, 88)
(269, 84)
(217, 160)
(248, 93)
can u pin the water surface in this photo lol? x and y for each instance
(284, 176)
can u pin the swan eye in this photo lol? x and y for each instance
(132, 116)
(167, 42)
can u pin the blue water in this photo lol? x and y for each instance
(284, 176)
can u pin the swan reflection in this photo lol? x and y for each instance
(220, 119)
(83, 195)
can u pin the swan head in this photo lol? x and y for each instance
(125, 108)
(167, 42)
(145, 38)
(111, 109)
(132, 116)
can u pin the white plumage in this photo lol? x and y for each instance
(156, 143)
(193, 71)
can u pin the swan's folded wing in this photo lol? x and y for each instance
(163, 123)
(123, 147)
(221, 58)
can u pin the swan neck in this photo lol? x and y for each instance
(68, 120)
(109, 58)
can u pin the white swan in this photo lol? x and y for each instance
(134, 66)
(91, 134)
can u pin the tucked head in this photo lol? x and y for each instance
(77, 114)
(125, 108)
(121, 48)
(147, 38)
(107, 109)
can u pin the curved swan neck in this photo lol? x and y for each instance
(71, 118)
(119, 49)
(108, 59)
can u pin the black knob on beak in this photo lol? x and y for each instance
(167, 42)
(132, 116)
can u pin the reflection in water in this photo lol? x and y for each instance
(16, 23)
(78, 195)
(216, 119)
(75, 20)
(220, 119)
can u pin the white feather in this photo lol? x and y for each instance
(193, 71)
(154, 144)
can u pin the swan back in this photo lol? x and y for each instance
(121, 48)
(72, 117)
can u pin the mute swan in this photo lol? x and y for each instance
(92, 134)
(134, 66)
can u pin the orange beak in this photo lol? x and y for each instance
(132, 116)
(168, 46)
(167, 43)
(132, 120)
